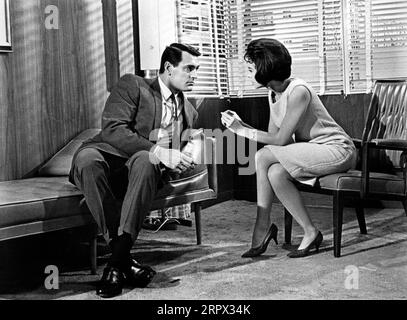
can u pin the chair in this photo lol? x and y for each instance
(193, 189)
(382, 161)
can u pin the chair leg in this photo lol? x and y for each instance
(198, 223)
(337, 222)
(405, 206)
(93, 250)
(288, 224)
(360, 213)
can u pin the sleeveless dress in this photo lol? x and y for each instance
(321, 146)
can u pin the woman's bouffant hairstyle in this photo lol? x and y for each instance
(271, 58)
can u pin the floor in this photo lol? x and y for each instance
(372, 266)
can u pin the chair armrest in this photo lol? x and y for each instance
(357, 143)
(210, 161)
(389, 144)
(403, 166)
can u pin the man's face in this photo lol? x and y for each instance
(183, 76)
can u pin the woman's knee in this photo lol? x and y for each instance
(277, 174)
(262, 157)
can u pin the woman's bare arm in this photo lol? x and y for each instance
(297, 104)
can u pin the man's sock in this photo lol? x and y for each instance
(121, 247)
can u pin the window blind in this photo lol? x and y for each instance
(201, 24)
(377, 41)
(331, 34)
(311, 31)
(389, 38)
(357, 17)
(337, 45)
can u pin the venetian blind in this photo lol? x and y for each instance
(377, 41)
(311, 31)
(389, 39)
(358, 37)
(201, 24)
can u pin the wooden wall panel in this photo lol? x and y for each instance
(25, 89)
(4, 102)
(255, 112)
(52, 85)
(348, 111)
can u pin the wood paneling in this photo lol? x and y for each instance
(349, 112)
(255, 112)
(52, 86)
(111, 42)
(136, 39)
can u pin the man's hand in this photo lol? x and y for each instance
(187, 164)
(164, 138)
(173, 159)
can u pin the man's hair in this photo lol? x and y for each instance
(173, 54)
(271, 58)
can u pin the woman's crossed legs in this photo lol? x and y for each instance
(273, 179)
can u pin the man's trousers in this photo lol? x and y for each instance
(106, 179)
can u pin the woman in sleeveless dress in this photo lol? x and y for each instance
(302, 142)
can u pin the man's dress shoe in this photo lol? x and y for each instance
(111, 283)
(138, 275)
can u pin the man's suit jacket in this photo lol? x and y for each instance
(132, 111)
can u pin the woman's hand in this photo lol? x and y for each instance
(233, 122)
(233, 114)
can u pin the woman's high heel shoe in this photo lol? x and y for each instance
(304, 252)
(254, 252)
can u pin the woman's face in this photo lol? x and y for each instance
(251, 73)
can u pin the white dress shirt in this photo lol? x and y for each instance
(170, 121)
(168, 105)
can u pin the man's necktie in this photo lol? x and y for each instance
(174, 109)
(176, 130)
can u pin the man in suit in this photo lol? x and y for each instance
(139, 144)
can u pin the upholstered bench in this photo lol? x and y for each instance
(49, 202)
